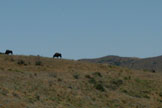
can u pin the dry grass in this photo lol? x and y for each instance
(37, 82)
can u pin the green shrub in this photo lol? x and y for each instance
(115, 84)
(21, 62)
(127, 78)
(97, 74)
(76, 76)
(59, 79)
(4, 91)
(9, 69)
(92, 81)
(87, 76)
(15, 95)
(160, 94)
(37, 97)
(38, 63)
(53, 75)
(100, 87)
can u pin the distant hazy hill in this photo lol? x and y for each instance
(153, 63)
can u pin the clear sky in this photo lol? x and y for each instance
(81, 28)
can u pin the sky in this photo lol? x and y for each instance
(81, 28)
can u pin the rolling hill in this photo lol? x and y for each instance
(147, 64)
(39, 82)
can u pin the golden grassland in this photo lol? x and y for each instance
(39, 82)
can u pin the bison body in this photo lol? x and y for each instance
(57, 55)
(8, 52)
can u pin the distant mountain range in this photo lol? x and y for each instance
(153, 64)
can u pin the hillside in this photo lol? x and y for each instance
(38, 82)
(148, 64)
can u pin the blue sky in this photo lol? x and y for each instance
(81, 28)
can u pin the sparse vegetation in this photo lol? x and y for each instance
(83, 85)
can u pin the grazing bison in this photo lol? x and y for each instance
(9, 52)
(57, 55)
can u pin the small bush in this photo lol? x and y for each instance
(29, 63)
(50, 83)
(97, 84)
(124, 91)
(160, 94)
(59, 79)
(76, 76)
(4, 91)
(38, 63)
(35, 74)
(92, 81)
(32, 99)
(21, 62)
(115, 84)
(53, 75)
(15, 95)
(38, 97)
(127, 78)
(9, 69)
(16, 70)
(97, 74)
(87, 76)
(100, 87)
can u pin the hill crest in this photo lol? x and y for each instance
(151, 63)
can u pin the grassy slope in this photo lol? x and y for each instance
(36, 82)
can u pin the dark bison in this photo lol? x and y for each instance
(9, 52)
(57, 55)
